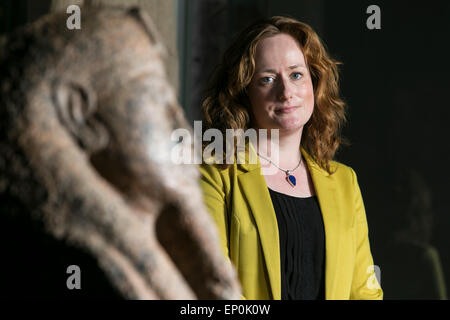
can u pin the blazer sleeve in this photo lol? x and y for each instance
(365, 285)
(212, 187)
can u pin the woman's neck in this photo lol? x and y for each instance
(284, 149)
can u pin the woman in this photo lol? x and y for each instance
(300, 233)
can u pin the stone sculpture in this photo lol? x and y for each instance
(86, 117)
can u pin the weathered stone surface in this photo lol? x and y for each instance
(162, 13)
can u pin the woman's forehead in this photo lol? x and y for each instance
(279, 49)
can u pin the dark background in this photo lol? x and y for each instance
(395, 82)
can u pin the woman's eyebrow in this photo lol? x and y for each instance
(290, 67)
(266, 70)
(297, 66)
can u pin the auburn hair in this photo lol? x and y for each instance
(227, 105)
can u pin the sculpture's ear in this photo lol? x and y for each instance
(76, 107)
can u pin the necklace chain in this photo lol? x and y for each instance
(286, 171)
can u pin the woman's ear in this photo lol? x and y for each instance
(76, 107)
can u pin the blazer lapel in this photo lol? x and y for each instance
(253, 186)
(325, 188)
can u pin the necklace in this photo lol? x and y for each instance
(289, 177)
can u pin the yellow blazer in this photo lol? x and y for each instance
(240, 203)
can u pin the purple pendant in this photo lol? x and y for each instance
(291, 180)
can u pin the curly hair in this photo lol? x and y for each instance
(227, 104)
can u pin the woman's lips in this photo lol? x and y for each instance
(285, 110)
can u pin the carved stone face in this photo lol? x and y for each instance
(139, 108)
(95, 132)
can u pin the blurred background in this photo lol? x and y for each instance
(395, 81)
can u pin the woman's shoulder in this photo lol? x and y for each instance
(342, 172)
(219, 166)
(213, 167)
(337, 169)
(342, 168)
(214, 171)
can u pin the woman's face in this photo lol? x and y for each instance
(281, 91)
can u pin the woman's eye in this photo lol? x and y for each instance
(267, 80)
(297, 75)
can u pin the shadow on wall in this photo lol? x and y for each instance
(411, 266)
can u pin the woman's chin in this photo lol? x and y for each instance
(291, 125)
(284, 125)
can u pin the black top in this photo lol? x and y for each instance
(302, 246)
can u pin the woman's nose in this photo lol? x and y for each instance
(284, 90)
